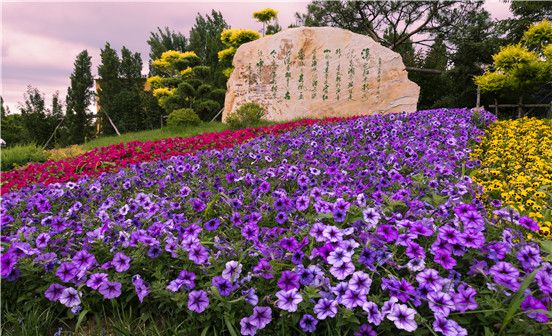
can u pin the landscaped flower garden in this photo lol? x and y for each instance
(365, 226)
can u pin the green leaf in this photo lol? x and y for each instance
(80, 319)
(516, 300)
(229, 325)
(204, 332)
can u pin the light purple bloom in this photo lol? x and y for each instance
(53, 293)
(360, 281)
(198, 301)
(232, 270)
(67, 271)
(96, 280)
(403, 317)
(325, 308)
(70, 297)
(261, 317)
(120, 262)
(288, 300)
(342, 271)
(110, 289)
(440, 303)
(374, 315)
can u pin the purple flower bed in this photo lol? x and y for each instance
(369, 225)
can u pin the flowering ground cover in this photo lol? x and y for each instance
(363, 226)
(516, 168)
(112, 158)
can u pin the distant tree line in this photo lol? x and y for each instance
(458, 38)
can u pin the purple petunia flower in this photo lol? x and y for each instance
(403, 317)
(261, 317)
(53, 293)
(352, 299)
(308, 323)
(110, 289)
(529, 257)
(465, 298)
(374, 315)
(198, 301)
(506, 274)
(387, 232)
(67, 271)
(448, 327)
(325, 308)
(361, 282)
(140, 286)
(232, 270)
(247, 327)
(250, 296)
(223, 285)
(365, 330)
(96, 280)
(70, 297)
(342, 271)
(440, 303)
(42, 240)
(288, 280)
(212, 224)
(120, 262)
(529, 223)
(84, 260)
(288, 300)
(531, 303)
(543, 278)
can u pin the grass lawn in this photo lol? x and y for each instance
(156, 134)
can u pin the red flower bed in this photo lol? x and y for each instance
(114, 157)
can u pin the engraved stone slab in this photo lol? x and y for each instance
(317, 72)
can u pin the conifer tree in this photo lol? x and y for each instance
(79, 97)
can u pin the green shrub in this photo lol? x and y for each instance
(183, 117)
(20, 155)
(206, 109)
(247, 115)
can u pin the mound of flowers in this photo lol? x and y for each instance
(114, 157)
(516, 168)
(367, 226)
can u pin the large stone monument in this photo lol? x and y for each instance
(316, 72)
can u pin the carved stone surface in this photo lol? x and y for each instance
(317, 72)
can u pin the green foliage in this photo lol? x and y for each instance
(79, 96)
(20, 155)
(538, 36)
(207, 108)
(517, 69)
(164, 40)
(183, 117)
(265, 15)
(247, 115)
(205, 41)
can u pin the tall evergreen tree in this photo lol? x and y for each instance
(129, 98)
(205, 42)
(79, 96)
(109, 88)
(163, 40)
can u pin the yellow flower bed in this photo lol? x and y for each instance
(64, 153)
(516, 167)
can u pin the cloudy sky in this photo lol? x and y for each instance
(40, 39)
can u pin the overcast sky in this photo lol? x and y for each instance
(41, 39)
